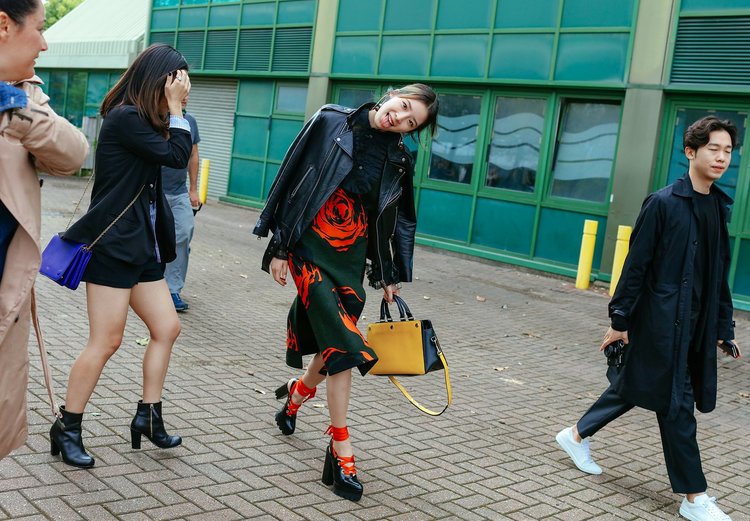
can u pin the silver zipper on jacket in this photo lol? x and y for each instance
(377, 228)
(274, 186)
(317, 181)
(296, 188)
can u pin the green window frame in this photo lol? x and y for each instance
(503, 41)
(478, 207)
(252, 37)
(597, 145)
(74, 93)
(263, 132)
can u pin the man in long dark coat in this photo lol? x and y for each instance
(671, 308)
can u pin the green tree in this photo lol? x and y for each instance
(56, 9)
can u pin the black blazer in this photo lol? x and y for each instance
(129, 156)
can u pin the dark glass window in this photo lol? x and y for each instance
(585, 150)
(513, 157)
(454, 147)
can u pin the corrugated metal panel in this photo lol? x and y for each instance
(167, 38)
(220, 50)
(255, 49)
(190, 44)
(291, 50)
(213, 102)
(713, 50)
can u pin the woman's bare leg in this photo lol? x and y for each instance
(311, 378)
(153, 304)
(108, 312)
(338, 390)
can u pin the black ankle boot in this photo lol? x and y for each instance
(149, 422)
(337, 472)
(65, 437)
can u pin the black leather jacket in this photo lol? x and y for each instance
(314, 166)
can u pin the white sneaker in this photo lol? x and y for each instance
(578, 452)
(703, 508)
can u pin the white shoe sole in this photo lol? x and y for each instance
(688, 516)
(560, 439)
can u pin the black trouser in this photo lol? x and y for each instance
(681, 453)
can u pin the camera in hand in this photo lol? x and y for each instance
(730, 348)
(614, 353)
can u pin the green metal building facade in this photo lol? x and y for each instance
(551, 114)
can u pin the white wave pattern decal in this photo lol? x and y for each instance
(586, 155)
(516, 140)
(457, 138)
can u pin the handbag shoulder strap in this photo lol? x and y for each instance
(116, 218)
(417, 404)
(78, 204)
(43, 356)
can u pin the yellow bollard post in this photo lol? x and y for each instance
(621, 251)
(203, 183)
(586, 259)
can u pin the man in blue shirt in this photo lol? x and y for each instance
(182, 199)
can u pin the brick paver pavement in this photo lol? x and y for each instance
(524, 363)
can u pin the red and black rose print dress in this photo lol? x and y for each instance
(328, 266)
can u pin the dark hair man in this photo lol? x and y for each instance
(671, 308)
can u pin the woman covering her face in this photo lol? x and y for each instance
(143, 129)
(32, 138)
(343, 196)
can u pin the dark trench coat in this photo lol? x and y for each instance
(654, 294)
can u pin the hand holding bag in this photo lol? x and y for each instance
(407, 347)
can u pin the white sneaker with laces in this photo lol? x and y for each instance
(703, 508)
(578, 452)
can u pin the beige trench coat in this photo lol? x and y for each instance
(47, 143)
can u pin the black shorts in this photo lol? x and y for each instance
(114, 273)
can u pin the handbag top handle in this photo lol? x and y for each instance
(403, 310)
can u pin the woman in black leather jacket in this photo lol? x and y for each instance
(343, 195)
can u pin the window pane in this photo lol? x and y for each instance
(585, 150)
(412, 144)
(58, 81)
(352, 97)
(454, 147)
(76, 97)
(516, 138)
(678, 163)
(291, 98)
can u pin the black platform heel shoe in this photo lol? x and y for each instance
(149, 422)
(65, 437)
(286, 418)
(340, 471)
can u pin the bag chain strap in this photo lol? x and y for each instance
(78, 204)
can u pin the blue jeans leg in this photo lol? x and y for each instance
(184, 224)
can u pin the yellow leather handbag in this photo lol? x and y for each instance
(407, 347)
